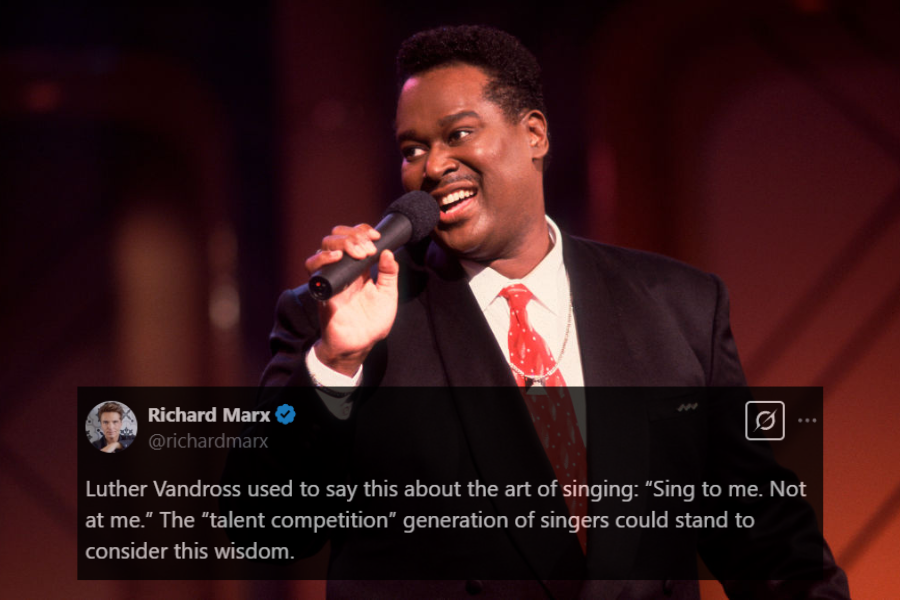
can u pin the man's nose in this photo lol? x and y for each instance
(440, 162)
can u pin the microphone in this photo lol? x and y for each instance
(409, 218)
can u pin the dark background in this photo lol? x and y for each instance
(164, 172)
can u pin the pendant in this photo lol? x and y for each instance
(534, 386)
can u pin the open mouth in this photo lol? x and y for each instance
(452, 201)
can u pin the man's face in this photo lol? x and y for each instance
(482, 169)
(110, 422)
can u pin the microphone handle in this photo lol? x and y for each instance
(395, 228)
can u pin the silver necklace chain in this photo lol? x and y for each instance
(539, 379)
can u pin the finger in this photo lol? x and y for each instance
(359, 235)
(368, 231)
(344, 230)
(388, 272)
(362, 230)
(356, 241)
(322, 258)
(357, 247)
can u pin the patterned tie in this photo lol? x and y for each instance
(552, 413)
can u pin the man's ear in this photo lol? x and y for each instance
(536, 126)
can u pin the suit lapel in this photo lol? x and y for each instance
(618, 444)
(607, 358)
(466, 345)
(495, 420)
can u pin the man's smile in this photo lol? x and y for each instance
(453, 198)
(447, 202)
(457, 204)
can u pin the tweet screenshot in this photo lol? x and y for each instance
(240, 483)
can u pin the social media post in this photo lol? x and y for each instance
(245, 483)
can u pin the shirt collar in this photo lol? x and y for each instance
(547, 281)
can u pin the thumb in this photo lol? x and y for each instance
(388, 272)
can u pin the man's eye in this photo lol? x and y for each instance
(458, 135)
(412, 152)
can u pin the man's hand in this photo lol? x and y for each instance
(110, 448)
(354, 320)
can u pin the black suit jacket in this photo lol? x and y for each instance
(642, 320)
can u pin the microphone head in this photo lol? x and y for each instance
(421, 210)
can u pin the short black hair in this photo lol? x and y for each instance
(514, 72)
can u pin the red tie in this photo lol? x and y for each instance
(552, 413)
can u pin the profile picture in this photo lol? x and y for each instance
(111, 427)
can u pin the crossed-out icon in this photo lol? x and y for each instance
(764, 420)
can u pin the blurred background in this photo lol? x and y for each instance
(165, 171)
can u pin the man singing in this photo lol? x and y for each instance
(500, 298)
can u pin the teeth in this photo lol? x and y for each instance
(456, 197)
